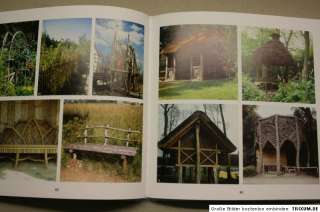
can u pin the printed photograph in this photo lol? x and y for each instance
(65, 57)
(102, 141)
(18, 58)
(198, 144)
(280, 145)
(277, 65)
(28, 140)
(198, 62)
(118, 58)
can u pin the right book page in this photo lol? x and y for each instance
(234, 106)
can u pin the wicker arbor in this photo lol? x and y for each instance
(281, 146)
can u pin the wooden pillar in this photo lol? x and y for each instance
(174, 68)
(191, 72)
(166, 70)
(85, 134)
(215, 175)
(297, 145)
(260, 168)
(128, 137)
(124, 164)
(201, 67)
(277, 146)
(198, 167)
(46, 157)
(17, 160)
(106, 135)
(179, 162)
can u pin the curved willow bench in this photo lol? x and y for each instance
(33, 137)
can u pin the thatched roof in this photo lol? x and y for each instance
(188, 124)
(209, 39)
(273, 53)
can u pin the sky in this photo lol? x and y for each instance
(296, 41)
(230, 112)
(269, 110)
(71, 29)
(105, 31)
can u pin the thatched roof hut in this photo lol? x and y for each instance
(199, 56)
(273, 53)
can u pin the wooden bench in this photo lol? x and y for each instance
(28, 138)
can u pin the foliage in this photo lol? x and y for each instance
(250, 91)
(250, 118)
(17, 61)
(64, 66)
(295, 91)
(249, 171)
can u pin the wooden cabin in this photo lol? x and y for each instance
(201, 56)
(280, 146)
(195, 150)
(270, 59)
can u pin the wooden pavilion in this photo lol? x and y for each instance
(270, 59)
(280, 146)
(196, 148)
(201, 56)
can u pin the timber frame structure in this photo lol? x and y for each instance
(195, 147)
(280, 146)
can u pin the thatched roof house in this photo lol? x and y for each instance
(273, 53)
(195, 144)
(200, 56)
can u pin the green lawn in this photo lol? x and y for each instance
(208, 89)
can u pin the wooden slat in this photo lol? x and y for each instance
(103, 148)
(32, 149)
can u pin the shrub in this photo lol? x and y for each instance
(249, 171)
(250, 91)
(295, 91)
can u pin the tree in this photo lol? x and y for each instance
(305, 71)
(170, 113)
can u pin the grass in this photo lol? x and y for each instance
(208, 89)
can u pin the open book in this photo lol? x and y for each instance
(108, 103)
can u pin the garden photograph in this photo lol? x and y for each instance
(198, 62)
(198, 144)
(280, 145)
(65, 57)
(118, 58)
(28, 140)
(18, 58)
(102, 141)
(277, 65)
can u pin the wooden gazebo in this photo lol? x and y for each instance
(196, 146)
(200, 56)
(281, 146)
(269, 59)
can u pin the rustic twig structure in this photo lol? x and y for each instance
(122, 74)
(281, 146)
(106, 147)
(28, 129)
(196, 145)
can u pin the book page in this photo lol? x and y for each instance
(234, 107)
(72, 102)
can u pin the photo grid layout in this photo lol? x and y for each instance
(225, 89)
(71, 100)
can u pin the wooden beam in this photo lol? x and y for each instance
(124, 165)
(298, 145)
(198, 168)
(179, 161)
(277, 145)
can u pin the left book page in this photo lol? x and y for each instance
(72, 102)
